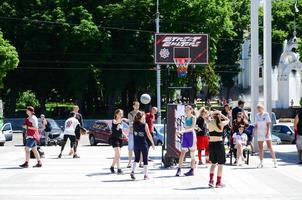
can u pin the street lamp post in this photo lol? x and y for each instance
(254, 56)
(267, 55)
(158, 75)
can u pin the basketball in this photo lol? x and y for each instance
(145, 99)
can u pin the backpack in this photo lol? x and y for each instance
(48, 127)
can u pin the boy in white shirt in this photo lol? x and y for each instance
(240, 140)
(71, 124)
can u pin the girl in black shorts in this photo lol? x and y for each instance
(216, 124)
(116, 140)
(141, 135)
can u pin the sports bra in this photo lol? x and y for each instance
(189, 121)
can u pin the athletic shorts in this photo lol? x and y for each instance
(188, 140)
(202, 142)
(299, 142)
(130, 142)
(115, 142)
(31, 143)
(217, 153)
(262, 136)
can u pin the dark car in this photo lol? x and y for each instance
(53, 135)
(285, 131)
(101, 131)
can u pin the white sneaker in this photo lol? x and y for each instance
(260, 166)
(275, 164)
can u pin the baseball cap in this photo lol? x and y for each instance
(31, 109)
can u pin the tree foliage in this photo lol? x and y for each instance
(99, 54)
(27, 98)
(8, 58)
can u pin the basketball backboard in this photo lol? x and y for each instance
(169, 46)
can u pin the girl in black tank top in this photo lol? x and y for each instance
(116, 140)
(141, 134)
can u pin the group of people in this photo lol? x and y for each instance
(72, 129)
(140, 138)
(207, 133)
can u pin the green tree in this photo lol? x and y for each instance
(27, 98)
(8, 58)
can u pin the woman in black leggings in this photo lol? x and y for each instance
(141, 136)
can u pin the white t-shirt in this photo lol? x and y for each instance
(261, 122)
(70, 126)
(241, 139)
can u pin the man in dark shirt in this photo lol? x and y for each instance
(298, 134)
(238, 109)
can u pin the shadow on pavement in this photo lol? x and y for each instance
(12, 168)
(285, 158)
(98, 174)
(194, 188)
(119, 181)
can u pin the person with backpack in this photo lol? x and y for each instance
(71, 124)
(32, 137)
(46, 128)
(298, 134)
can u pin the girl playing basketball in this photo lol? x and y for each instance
(188, 141)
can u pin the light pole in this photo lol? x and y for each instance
(158, 75)
(267, 55)
(254, 56)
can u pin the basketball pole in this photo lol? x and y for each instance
(158, 75)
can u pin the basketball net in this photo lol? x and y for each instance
(182, 66)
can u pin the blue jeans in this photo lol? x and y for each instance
(31, 143)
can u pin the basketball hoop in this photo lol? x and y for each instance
(182, 66)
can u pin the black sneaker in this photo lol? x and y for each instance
(120, 172)
(76, 156)
(178, 172)
(39, 164)
(190, 172)
(24, 165)
(112, 170)
(60, 155)
(132, 176)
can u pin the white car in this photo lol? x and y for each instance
(6, 133)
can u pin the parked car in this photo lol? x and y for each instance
(285, 132)
(6, 133)
(54, 134)
(158, 137)
(101, 131)
(276, 140)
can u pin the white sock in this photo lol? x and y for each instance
(133, 166)
(146, 170)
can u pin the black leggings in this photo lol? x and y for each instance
(72, 139)
(137, 153)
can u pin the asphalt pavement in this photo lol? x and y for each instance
(89, 177)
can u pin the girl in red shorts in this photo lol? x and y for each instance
(202, 136)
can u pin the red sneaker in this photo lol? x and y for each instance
(211, 183)
(220, 185)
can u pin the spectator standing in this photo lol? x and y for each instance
(298, 134)
(263, 134)
(131, 116)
